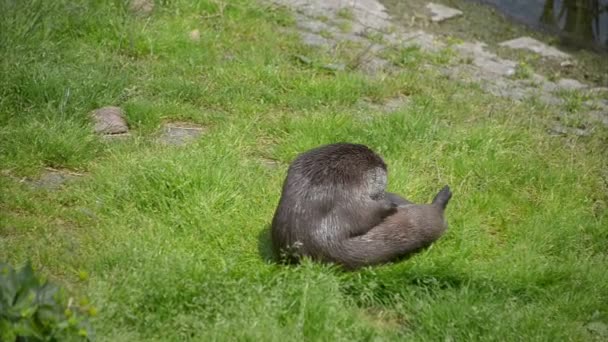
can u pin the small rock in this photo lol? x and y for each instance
(142, 6)
(195, 35)
(373, 65)
(51, 180)
(312, 25)
(485, 60)
(180, 133)
(109, 120)
(598, 328)
(550, 99)
(314, 39)
(303, 59)
(440, 12)
(599, 91)
(600, 116)
(570, 84)
(566, 64)
(334, 67)
(534, 45)
(558, 129)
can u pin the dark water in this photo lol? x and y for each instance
(581, 23)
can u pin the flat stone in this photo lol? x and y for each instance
(599, 91)
(180, 133)
(395, 103)
(599, 116)
(334, 67)
(531, 44)
(142, 6)
(485, 60)
(426, 41)
(109, 120)
(599, 328)
(558, 129)
(311, 25)
(195, 35)
(314, 39)
(51, 180)
(440, 12)
(368, 13)
(373, 65)
(570, 84)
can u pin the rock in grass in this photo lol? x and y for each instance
(109, 120)
(531, 44)
(598, 328)
(195, 35)
(440, 12)
(51, 179)
(570, 84)
(181, 133)
(144, 7)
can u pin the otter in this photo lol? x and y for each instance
(334, 208)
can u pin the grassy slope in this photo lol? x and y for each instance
(174, 239)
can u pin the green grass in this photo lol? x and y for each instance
(173, 240)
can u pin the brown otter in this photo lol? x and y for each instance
(334, 208)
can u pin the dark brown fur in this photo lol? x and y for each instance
(334, 208)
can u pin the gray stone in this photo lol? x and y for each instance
(373, 65)
(51, 179)
(426, 41)
(195, 35)
(485, 60)
(440, 12)
(142, 6)
(550, 99)
(314, 39)
(566, 64)
(334, 67)
(570, 84)
(311, 25)
(599, 116)
(558, 129)
(395, 103)
(367, 13)
(536, 46)
(181, 133)
(109, 120)
(598, 328)
(602, 91)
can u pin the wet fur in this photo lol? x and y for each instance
(334, 208)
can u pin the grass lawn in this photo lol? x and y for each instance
(171, 242)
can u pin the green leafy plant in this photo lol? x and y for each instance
(32, 309)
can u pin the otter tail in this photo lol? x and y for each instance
(443, 197)
(396, 237)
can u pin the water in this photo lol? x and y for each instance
(582, 23)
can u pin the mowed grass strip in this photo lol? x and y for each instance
(174, 240)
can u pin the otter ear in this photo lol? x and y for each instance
(443, 197)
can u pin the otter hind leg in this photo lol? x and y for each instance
(396, 199)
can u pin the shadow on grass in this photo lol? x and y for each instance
(429, 282)
(265, 246)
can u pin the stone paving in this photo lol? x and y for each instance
(494, 74)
